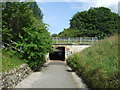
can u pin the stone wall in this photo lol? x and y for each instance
(11, 78)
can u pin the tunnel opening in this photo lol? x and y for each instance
(58, 54)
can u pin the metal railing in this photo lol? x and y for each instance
(75, 40)
(12, 44)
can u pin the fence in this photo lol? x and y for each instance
(75, 40)
(12, 44)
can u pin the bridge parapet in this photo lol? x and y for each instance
(75, 40)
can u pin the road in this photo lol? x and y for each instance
(55, 75)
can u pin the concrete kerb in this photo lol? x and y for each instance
(77, 80)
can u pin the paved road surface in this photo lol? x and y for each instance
(55, 75)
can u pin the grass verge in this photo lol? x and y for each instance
(98, 65)
(10, 60)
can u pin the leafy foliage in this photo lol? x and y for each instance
(54, 35)
(22, 23)
(100, 22)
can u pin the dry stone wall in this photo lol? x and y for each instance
(10, 79)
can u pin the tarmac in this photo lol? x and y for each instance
(56, 75)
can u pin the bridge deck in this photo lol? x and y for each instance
(71, 44)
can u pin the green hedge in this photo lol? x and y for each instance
(98, 65)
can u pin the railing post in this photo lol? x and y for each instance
(69, 40)
(56, 40)
(92, 40)
(80, 39)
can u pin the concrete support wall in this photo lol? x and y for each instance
(71, 49)
(78, 48)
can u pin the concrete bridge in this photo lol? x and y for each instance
(62, 51)
(64, 47)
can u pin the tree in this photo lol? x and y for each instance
(54, 35)
(22, 23)
(100, 22)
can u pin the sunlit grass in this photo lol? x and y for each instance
(10, 60)
(98, 65)
(0, 60)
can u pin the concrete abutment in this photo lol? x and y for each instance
(61, 52)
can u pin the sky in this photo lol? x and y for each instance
(57, 13)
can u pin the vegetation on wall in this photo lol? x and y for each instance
(11, 60)
(99, 22)
(22, 23)
(98, 65)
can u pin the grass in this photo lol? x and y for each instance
(0, 59)
(10, 60)
(98, 65)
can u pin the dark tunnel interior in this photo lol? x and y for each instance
(58, 54)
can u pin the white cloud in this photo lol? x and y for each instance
(81, 6)
(75, 7)
(63, 0)
(50, 18)
(76, 0)
(112, 4)
(106, 2)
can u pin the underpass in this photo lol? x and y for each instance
(56, 74)
(61, 52)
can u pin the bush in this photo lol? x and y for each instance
(36, 44)
(22, 23)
